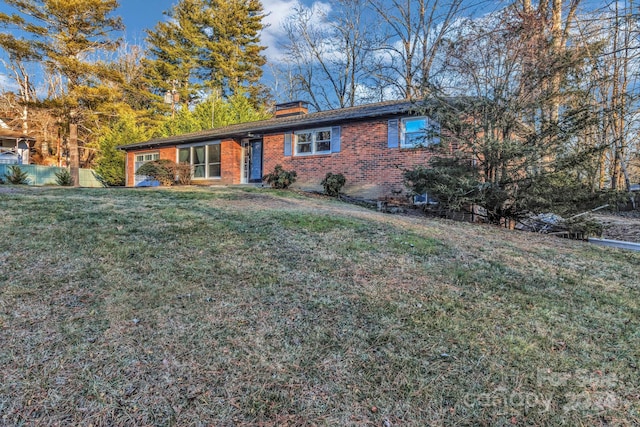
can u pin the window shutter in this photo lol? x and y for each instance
(392, 133)
(287, 143)
(335, 139)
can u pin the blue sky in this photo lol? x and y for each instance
(139, 15)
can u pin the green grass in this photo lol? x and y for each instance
(254, 307)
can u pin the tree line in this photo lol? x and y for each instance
(551, 85)
(200, 68)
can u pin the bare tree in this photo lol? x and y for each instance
(550, 22)
(412, 40)
(328, 54)
(26, 90)
(613, 55)
(505, 162)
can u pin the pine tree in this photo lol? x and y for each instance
(67, 37)
(110, 163)
(212, 113)
(172, 53)
(231, 57)
(208, 45)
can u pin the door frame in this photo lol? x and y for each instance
(246, 153)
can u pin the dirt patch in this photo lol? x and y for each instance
(621, 226)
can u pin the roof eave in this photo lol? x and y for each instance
(272, 126)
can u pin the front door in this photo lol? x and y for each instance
(254, 159)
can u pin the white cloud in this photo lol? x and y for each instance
(277, 13)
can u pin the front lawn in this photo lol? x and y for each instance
(231, 307)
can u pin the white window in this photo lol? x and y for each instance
(418, 132)
(424, 199)
(146, 157)
(316, 141)
(204, 160)
(141, 159)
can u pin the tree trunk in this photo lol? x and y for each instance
(74, 154)
(557, 49)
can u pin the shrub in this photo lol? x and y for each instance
(163, 170)
(64, 178)
(280, 178)
(17, 176)
(333, 184)
(183, 173)
(584, 227)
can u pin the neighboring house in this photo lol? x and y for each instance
(14, 146)
(369, 144)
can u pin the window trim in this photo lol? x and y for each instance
(428, 199)
(138, 179)
(429, 126)
(314, 142)
(207, 164)
(155, 155)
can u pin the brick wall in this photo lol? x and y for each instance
(230, 163)
(168, 153)
(371, 168)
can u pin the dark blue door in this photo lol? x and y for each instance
(255, 170)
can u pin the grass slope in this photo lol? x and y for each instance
(247, 307)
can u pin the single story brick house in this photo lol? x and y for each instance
(369, 144)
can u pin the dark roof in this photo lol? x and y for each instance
(12, 134)
(322, 118)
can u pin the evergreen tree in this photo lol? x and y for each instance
(110, 162)
(208, 45)
(213, 113)
(172, 57)
(230, 55)
(68, 38)
(492, 153)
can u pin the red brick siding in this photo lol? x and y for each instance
(168, 153)
(369, 166)
(230, 160)
(291, 111)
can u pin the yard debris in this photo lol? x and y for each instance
(541, 223)
(579, 227)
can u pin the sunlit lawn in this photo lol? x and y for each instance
(251, 307)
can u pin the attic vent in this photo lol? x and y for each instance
(294, 108)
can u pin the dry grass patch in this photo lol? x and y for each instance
(248, 307)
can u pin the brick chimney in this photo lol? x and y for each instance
(294, 108)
